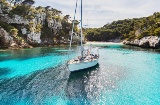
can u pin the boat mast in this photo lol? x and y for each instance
(73, 25)
(81, 25)
(81, 32)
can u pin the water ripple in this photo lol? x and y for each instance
(123, 77)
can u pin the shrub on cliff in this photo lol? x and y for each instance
(6, 26)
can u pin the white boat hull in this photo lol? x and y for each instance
(82, 65)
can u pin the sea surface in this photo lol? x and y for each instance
(125, 75)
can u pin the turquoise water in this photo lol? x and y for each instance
(124, 76)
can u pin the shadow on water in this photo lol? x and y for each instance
(34, 88)
(24, 54)
(75, 89)
(135, 48)
(4, 71)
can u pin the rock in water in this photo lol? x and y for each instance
(146, 42)
(154, 41)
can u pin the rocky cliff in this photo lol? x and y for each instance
(35, 25)
(5, 38)
(146, 42)
(12, 42)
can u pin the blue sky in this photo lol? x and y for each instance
(97, 13)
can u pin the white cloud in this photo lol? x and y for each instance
(99, 12)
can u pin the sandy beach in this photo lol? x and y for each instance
(105, 43)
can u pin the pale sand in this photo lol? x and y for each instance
(105, 43)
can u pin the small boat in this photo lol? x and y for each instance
(87, 59)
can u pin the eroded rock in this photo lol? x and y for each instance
(146, 42)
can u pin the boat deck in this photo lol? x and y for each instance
(80, 59)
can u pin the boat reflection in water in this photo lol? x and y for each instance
(90, 85)
(78, 85)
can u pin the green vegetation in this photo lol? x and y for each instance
(14, 32)
(21, 10)
(6, 26)
(128, 29)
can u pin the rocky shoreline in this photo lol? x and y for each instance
(8, 41)
(145, 42)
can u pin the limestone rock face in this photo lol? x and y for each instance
(34, 37)
(5, 39)
(75, 35)
(154, 41)
(33, 33)
(0, 10)
(17, 20)
(24, 31)
(136, 42)
(147, 42)
(126, 42)
(54, 25)
(144, 42)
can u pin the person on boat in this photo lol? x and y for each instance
(82, 51)
(88, 52)
(95, 56)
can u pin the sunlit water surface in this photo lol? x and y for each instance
(124, 76)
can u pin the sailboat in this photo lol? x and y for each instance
(87, 59)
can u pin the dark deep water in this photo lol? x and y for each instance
(124, 76)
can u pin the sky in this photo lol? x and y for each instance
(97, 13)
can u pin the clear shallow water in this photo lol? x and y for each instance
(125, 76)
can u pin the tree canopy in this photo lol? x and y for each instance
(129, 29)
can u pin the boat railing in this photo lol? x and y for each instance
(86, 58)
